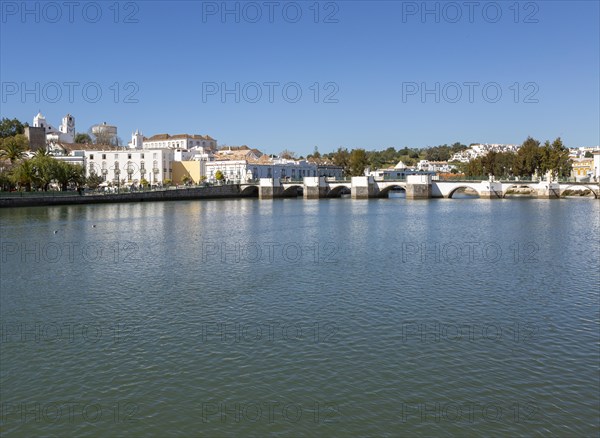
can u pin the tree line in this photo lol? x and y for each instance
(355, 161)
(532, 158)
(36, 173)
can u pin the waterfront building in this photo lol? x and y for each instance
(583, 169)
(130, 166)
(245, 170)
(399, 171)
(117, 165)
(596, 155)
(330, 171)
(195, 170)
(435, 166)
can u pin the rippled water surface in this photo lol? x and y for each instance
(301, 318)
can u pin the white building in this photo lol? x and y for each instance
(480, 150)
(435, 166)
(130, 166)
(65, 132)
(179, 141)
(596, 173)
(243, 170)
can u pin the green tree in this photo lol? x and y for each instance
(10, 128)
(24, 175)
(93, 180)
(555, 159)
(528, 159)
(45, 169)
(342, 158)
(65, 174)
(83, 138)
(219, 175)
(358, 162)
(13, 148)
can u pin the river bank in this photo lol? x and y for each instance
(31, 200)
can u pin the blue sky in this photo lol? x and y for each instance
(497, 73)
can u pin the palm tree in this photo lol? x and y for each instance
(25, 174)
(13, 148)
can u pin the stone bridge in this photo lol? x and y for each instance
(415, 186)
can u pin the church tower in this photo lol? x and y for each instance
(67, 129)
(39, 121)
(137, 140)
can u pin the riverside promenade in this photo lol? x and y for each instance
(32, 199)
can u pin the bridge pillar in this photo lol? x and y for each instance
(490, 189)
(315, 187)
(418, 187)
(363, 187)
(548, 190)
(270, 188)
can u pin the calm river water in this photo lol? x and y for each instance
(299, 318)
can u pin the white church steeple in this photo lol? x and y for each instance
(137, 140)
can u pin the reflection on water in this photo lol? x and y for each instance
(305, 318)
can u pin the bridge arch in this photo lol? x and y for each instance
(452, 192)
(593, 189)
(385, 192)
(250, 191)
(336, 192)
(532, 193)
(292, 191)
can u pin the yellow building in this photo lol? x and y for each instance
(582, 168)
(193, 169)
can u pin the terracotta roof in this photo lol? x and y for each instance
(69, 147)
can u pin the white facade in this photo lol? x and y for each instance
(243, 171)
(180, 141)
(130, 166)
(596, 165)
(67, 129)
(480, 150)
(435, 166)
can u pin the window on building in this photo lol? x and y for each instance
(116, 156)
(91, 156)
(142, 156)
(129, 156)
(104, 156)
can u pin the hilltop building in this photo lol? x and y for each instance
(178, 141)
(65, 132)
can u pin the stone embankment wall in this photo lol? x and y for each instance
(30, 200)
